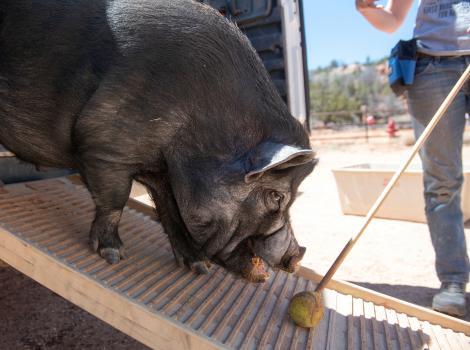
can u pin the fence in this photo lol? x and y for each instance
(366, 123)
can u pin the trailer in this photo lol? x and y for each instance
(43, 234)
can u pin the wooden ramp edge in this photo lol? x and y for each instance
(43, 233)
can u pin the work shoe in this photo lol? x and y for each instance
(450, 299)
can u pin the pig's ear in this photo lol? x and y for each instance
(270, 155)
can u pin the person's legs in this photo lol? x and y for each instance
(442, 165)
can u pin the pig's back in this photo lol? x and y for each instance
(53, 55)
(160, 63)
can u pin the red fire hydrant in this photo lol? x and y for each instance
(391, 128)
(370, 120)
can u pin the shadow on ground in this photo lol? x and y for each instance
(413, 294)
(38, 319)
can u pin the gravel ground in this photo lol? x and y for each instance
(393, 257)
(34, 318)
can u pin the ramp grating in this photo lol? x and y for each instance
(54, 217)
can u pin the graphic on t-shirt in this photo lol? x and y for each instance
(446, 8)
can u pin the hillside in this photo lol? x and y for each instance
(337, 92)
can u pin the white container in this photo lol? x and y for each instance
(360, 185)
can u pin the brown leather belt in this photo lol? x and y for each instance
(425, 55)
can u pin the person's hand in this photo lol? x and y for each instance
(362, 4)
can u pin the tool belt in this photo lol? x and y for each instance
(402, 64)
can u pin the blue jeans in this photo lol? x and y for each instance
(441, 157)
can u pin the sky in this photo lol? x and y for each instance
(336, 31)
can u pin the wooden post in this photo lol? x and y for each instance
(364, 120)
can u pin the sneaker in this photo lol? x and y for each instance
(450, 299)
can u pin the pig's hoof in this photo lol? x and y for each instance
(179, 258)
(111, 255)
(201, 267)
(94, 244)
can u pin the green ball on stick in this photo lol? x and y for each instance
(306, 309)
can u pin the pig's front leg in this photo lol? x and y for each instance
(184, 248)
(110, 188)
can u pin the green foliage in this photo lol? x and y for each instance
(333, 97)
(337, 93)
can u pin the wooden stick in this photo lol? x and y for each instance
(378, 203)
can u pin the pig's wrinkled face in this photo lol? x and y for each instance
(245, 214)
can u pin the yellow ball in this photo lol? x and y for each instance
(306, 309)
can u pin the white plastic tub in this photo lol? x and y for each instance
(360, 185)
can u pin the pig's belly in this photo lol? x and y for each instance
(38, 147)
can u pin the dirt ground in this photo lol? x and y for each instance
(393, 257)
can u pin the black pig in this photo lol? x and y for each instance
(165, 92)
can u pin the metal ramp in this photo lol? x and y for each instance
(43, 233)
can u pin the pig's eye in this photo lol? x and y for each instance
(276, 196)
(275, 200)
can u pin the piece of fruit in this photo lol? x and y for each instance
(256, 272)
(306, 309)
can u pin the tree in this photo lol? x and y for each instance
(334, 64)
(338, 94)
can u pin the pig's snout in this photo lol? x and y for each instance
(290, 263)
(280, 249)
